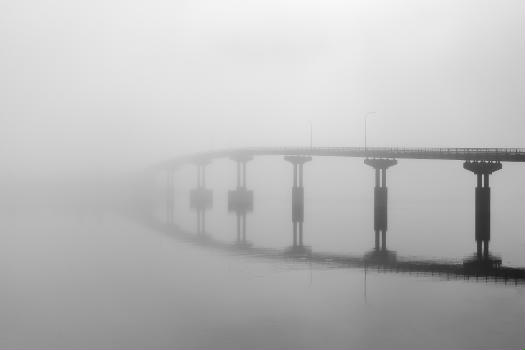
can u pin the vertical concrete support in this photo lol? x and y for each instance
(380, 199)
(381, 213)
(297, 215)
(482, 205)
(297, 198)
(201, 198)
(240, 200)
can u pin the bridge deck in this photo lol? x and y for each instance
(474, 154)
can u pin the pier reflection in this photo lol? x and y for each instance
(380, 260)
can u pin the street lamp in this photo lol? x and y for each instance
(366, 116)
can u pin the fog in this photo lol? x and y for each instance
(109, 82)
(94, 94)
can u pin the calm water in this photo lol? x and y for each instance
(80, 282)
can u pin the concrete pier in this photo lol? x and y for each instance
(482, 170)
(240, 200)
(297, 200)
(380, 199)
(201, 198)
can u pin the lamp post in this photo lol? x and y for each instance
(366, 116)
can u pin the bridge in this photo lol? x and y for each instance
(472, 154)
(480, 161)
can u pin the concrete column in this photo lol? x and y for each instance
(240, 200)
(301, 175)
(294, 175)
(244, 227)
(203, 223)
(238, 174)
(244, 174)
(380, 200)
(201, 198)
(482, 170)
(297, 199)
(198, 221)
(380, 212)
(479, 248)
(199, 175)
(295, 234)
(300, 234)
(482, 214)
(238, 227)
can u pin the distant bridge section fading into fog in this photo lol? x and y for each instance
(480, 161)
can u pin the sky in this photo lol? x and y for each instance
(102, 85)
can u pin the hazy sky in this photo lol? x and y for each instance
(95, 83)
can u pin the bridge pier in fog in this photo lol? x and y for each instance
(170, 196)
(297, 200)
(380, 199)
(482, 170)
(201, 198)
(240, 200)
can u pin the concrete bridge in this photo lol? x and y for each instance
(482, 162)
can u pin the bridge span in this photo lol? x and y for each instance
(480, 161)
(466, 154)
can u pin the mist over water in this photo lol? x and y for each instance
(95, 94)
(77, 282)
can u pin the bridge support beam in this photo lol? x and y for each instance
(297, 200)
(380, 199)
(201, 198)
(482, 170)
(240, 200)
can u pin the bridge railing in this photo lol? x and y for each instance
(393, 149)
(399, 149)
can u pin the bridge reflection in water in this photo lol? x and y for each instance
(389, 262)
(481, 161)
